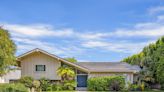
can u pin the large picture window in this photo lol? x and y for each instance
(40, 68)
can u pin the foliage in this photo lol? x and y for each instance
(66, 73)
(13, 88)
(27, 81)
(36, 85)
(69, 85)
(116, 83)
(71, 59)
(7, 51)
(55, 87)
(151, 61)
(106, 83)
(160, 71)
(135, 87)
(44, 84)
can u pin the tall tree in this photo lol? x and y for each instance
(151, 61)
(7, 51)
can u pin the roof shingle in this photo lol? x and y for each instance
(109, 66)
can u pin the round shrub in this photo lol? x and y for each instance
(27, 81)
(116, 83)
(113, 83)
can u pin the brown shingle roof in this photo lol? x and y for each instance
(109, 67)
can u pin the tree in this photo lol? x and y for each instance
(66, 73)
(7, 51)
(72, 59)
(151, 61)
(160, 73)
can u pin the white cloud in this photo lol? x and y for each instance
(24, 35)
(126, 47)
(148, 29)
(89, 36)
(160, 18)
(145, 32)
(26, 44)
(157, 9)
(93, 44)
(37, 30)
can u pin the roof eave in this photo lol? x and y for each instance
(54, 56)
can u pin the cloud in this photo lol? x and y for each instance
(150, 29)
(89, 36)
(145, 32)
(37, 30)
(26, 44)
(25, 37)
(160, 18)
(124, 47)
(155, 10)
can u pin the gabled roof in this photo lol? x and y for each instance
(109, 67)
(91, 66)
(54, 56)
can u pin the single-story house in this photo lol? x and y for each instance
(38, 63)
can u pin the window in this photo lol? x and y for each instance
(40, 68)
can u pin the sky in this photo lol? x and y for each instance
(89, 30)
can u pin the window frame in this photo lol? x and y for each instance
(42, 70)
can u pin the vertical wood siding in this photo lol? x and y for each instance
(28, 66)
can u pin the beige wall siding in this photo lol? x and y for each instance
(128, 76)
(28, 66)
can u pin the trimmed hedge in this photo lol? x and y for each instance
(109, 83)
(17, 87)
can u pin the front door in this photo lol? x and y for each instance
(82, 80)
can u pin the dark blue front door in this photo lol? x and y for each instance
(82, 80)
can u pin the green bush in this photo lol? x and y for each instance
(69, 85)
(55, 87)
(113, 83)
(116, 83)
(27, 81)
(17, 87)
(44, 84)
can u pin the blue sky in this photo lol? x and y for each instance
(89, 30)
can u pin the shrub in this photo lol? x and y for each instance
(106, 83)
(69, 85)
(27, 81)
(36, 85)
(116, 83)
(17, 87)
(55, 87)
(44, 84)
(134, 87)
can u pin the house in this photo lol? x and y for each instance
(11, 76)
(38, 63)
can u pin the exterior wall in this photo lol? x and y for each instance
(28, 66)
(12, 75)
(128, 76)
(2, 80)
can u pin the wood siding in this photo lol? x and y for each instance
(28, 66)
